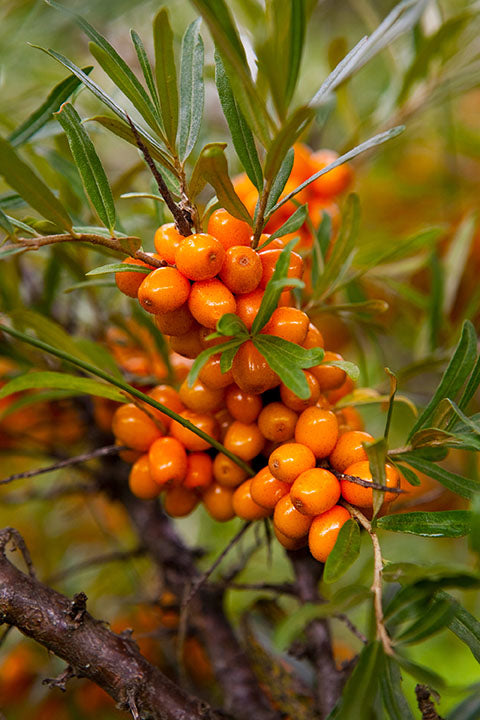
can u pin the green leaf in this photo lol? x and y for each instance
(468, 709)
(284, 140)
(363, 147)
(393, 698)
(446, 523)
(296, 40)
(61, 381)
(241, 134)
(420, 672)
(295, 221)
(227, 357)
(47, 330)
(225, 35)
(166, 74)
(455, 260)
(464, 625)
(99, 356)
(360, 691)
(90, 284)
(280, 181)
(230, 324)
(146, 68)
(430, 576)
(344, 553)
(377, 452)
(44, 113)
(33, 399)
(191, 89)
(124, 131)
(436, 295)
(409, 475)
(215, 171)
(198, 179)
(33, 190)
(201, 359)
(471, 386)
(433, 619)
(273, 289)
(89, 166)
(287, 359)
(465, 487)
(474, 539)
(350, 368)
(5, 224)
(456, 374)
(119, 267)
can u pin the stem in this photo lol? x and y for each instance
(259, 223)
(130, 390)
(377, 577)
(400, 450)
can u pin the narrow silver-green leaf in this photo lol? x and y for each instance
(296, 41)
(119, 267)
(146, 68)
(344, 553)
(215, 171)
(445, 523)
(89, 166)
(191, 89)
(166, 74)
(285, 138)
(61, 381)
(294, 222)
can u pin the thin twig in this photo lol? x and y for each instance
(353, 628)
(367, 483)
(9, 534)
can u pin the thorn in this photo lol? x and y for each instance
(61, 680)
(78, 608)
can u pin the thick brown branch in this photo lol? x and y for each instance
(91, 649)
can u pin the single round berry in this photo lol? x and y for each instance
(134, 428)
(226, 472)
(209, 300)
(168, 461)
(315, 491)
(179, 501)
(324, 531)
(244, 506)
(296, 403)
(228, 229)
(163, 290)
(187, 437)
(212, 376)
(288, 461)
(199, 471)
(175, 322)
(167, 240)
(251, 371)
(241, 405)
(129, 282)
(266, 490)
(140, 480)
(277, 422)
(241, 270)
(329, 377)
(246, 441)
(289, 521)
(200, 256)
(349, 449)
(218, 501)
(288, 323)
(318, 429)
(200, 398)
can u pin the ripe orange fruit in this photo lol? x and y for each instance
(140, 481)
(333, 182)
(289, 543)
(169, 397)
(228, 229)
(349, 419)
(363, 496)
(175, 322)
(349, 449)
(324, 531)
(288, 323)
(318, 429)
(248, 306)
(242, 405)
(334, 396)
(218, 501)
(226, 472)
(199, 471)
(224, 420)
(187, 437)
(269, 260)
(189, 344)
(179, 501)
(200, 398)
(212, 376)
(329, 377)
(246, 441)
(244, 506)
(298, 404)
(251, 371)
(289, 521)
(209, 300)
(315, 491)
(133, 428)
(277, 422)
(163, 290)
(168, 461)
(242, 269)
(289, 460)
(313, 338)
(200, 256)
(167, 239)
(266, 490)
(129, 282)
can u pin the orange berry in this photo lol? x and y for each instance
(209, 300)
(313, 338)
(199, 471)
(289, 543)
(228, 229)
(163, 290)
(224, 420)
(269, 260)
(226, 472)
(298, 404)
(168, 396)
(140, 481)
(329, 377)
(212, 376)
(167, 240)
(181, 366)
(189, 345)
(245, 506)
(318, 429)
(175, 322)
(129, 282)
(266, 490)
(200, 398)
(168, 461)
(277, 422)
(288, 520)
(179, 501)
(248, 306)
(315, 491)
(349, 449)
(288, 323)
(200, 256)
(244, 440)
(251, 371)
(242, 405)
(289, 460)
(134, 428)
(349, 419)
(333, 182)
(241, 270)
(362, 496)
(347, 387)
(324, 531)
(218, 501)
(187, 437)
(129, 456)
